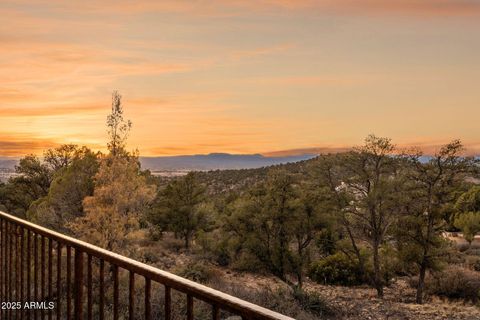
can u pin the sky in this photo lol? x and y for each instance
(269, 76)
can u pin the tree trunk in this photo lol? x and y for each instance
(361, 261)
(421, 283)
(187, 241)
(299, 279)
(377, 272)
(426, 249)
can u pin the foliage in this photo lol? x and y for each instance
(275, 225)
(469, 223)
(121, 195)
(432, 187)
(197, 271)
(31, 183)
(372, 179)
(296, 303)
(455, 283)
(336, 269)
(469, 201)
(312, 302)
(365, 186)
(118, 127)
(467, 218)
(72, 183)
(362, 216)
(62, 156)
(180, 208)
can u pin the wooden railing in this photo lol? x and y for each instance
(38, 281)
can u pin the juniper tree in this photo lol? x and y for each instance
(433, 187)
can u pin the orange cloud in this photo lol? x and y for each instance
(225, 8)
(240, 76)
(262, 51)
(53, 110)
(18, 145)
(441, 8)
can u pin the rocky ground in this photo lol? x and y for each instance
(361, 303)
(349, 303)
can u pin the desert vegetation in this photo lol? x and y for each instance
(373, 217)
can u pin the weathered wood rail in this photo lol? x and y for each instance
(36, 265)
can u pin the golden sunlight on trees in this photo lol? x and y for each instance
(118, 128)
(121, 193)
(120, 197)
(368, 216)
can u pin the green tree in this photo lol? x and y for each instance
(329, 174)
(372, 181)
(72, 183)
(365, 185)
(469, 223)
(469, 201)
(467, 218)
(179, 208)
(276, 223)
(432, 188)
(311, 219)
(61, 157)
(31, 183)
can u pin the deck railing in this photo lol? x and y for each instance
(38, 281)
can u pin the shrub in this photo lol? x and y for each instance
(463, 246)
(150, 256)
(472, 262)
(312, 302)
(197, 271)
(473, 251)
(298, 304)
(247, 262)
(455, 283)
(172, 244)
(335, 269)
(476, 265)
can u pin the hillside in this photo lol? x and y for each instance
(216, 161)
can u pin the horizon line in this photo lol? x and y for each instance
(428, 150)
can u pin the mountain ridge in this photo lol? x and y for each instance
(217, 161)
(200, 162)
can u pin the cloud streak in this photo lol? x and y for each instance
(239, 76)
(17, 145)
(226, 8)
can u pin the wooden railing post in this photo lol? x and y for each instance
(78, 287)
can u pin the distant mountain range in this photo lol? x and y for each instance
(8, 163)
(215, 161)
(202, 162)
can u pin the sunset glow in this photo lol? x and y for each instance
(239, 76)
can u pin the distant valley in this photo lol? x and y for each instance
(214, 161)
(178, 165)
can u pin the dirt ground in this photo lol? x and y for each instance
(361, 302)
(352, 303)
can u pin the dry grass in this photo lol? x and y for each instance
(348, 302)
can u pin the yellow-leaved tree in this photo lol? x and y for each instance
(120, 198)
(121, 192)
